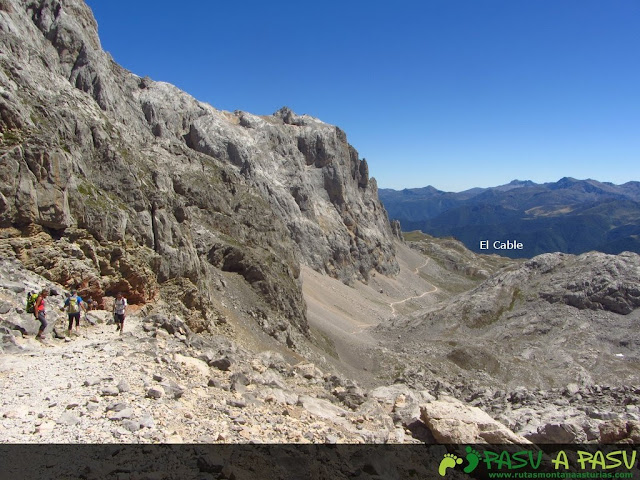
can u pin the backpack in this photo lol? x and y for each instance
(120, 306)
(31, 302)
(73, 305)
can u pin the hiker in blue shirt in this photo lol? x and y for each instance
(74, 304)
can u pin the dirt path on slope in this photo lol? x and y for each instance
(343, 314)
(415, 297)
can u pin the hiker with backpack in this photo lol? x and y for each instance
(31, 301)
(74, 305)
(40, 313)
(119, 310)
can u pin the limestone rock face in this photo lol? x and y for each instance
(322, 191)
(396, 229)
(594, 281)
(129, 184)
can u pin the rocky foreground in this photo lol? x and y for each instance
(161, 382)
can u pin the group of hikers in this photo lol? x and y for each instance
(74, 306)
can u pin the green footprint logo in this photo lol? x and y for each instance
(450, 460)
(473, 457)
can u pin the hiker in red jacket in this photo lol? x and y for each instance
(40, 313)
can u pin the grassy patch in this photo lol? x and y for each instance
(11, 138)
(95, 199)
(86, 189)
(517, 296)
(415, 236)
(488, 319)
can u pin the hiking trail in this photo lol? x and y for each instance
(392, 305)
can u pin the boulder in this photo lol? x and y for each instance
(451, 421)
(110, 391)
(322, 408)
(5, 308)
(24, 323)
(131, 425)
(275, 395)
(8, 342)
(68, 419)
(307, 370)
(389, 394)
(193, 364)
(173, 389)
(620, 431)
(223, 364)
(91, 381)
(271, 378)
(121, 414)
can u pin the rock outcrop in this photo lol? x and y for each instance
(110, 181)
(593, 281)
(553, 320)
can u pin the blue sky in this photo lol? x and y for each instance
(449, 93)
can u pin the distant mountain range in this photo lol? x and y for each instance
(570, 216)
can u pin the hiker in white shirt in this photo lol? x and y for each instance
(119, 311)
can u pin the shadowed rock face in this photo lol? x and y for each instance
(122, 183)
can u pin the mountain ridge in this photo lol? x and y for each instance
(564, 182)
(544, 217)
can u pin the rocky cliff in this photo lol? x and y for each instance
(115, 182)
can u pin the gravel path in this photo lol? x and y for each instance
(149, 385)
